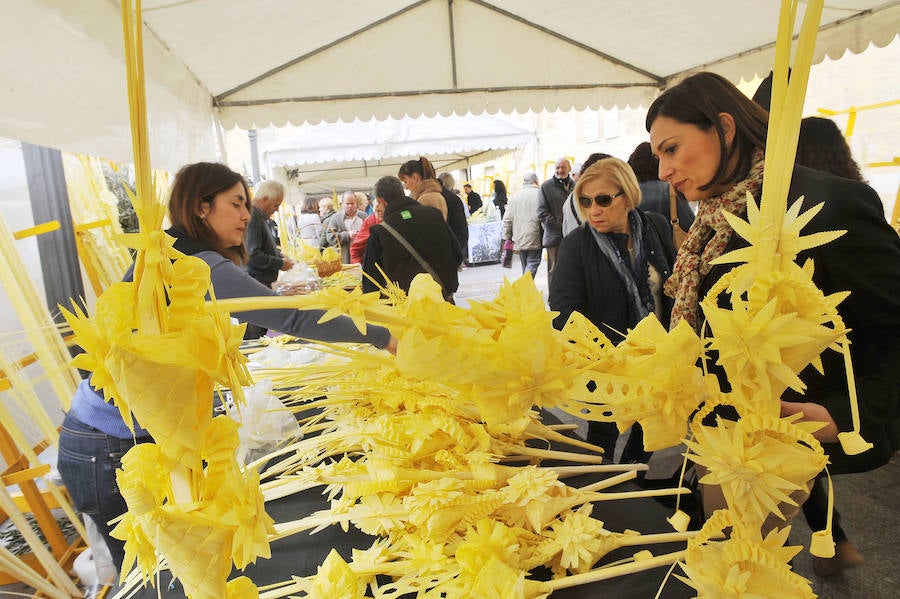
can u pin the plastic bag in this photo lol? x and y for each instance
(266, 422)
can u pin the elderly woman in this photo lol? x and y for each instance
(710, 140)
(612, 268)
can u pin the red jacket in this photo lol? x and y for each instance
(358, 245)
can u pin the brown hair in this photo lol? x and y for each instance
(643, 163)
(310, 205)
(614, 170)
(822, 146)
(698, 101)
(197, 184)
(592, 159)
(421, 167)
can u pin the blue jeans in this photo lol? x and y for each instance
(531, 260)
(88, 460)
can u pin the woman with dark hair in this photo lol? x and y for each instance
(419, 178)
(655, 193)
(500, 198)
(822, 146)
(209, 208)
(612, 269)
(711, 140)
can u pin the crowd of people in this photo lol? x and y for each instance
(610, 233)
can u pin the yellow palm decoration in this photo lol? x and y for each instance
(784, 323)
(757, 231)
(744, 564)
(762, 348)
(156, 343)
(649, 378)
(758, 461)
(335, 579)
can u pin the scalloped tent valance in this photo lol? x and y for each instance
(354, 155)
(252, 64)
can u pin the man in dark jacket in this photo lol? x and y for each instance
(265, 260)
(423, 228)
(456, 213)
(551, 197)
(473, 198)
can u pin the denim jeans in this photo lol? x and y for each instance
(531, 260)
(88, 460)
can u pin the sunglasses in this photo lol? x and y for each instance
(601, 200)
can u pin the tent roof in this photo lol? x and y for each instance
(357, 58)
(354, 155)
(251, 64)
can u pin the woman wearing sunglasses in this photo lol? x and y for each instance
(613, 267)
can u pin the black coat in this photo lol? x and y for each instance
(584, 280)
(866, 262)
(456, 219)
(427, 232)
(474, 200)
(551, 196)
(265, 259)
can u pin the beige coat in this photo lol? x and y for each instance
(520, 223)
(430, 195)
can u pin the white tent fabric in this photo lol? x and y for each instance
(354, 155)
(251, 64)
(64, 85)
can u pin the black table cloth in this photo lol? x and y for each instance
(301, 554)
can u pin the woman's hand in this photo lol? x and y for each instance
(813, 412)
(392, 345)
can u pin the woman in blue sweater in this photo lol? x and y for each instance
(209, 209)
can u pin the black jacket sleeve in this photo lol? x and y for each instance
(371, 257)
(568, 289)
(263, 257)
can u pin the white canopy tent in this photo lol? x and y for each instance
(251, 64)
(319, 158)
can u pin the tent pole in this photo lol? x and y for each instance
(254, 155)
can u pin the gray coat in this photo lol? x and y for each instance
(520, 223)
(335, 230)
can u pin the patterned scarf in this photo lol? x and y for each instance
(706, 241)
(635, 278)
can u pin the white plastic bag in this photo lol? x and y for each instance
(94, 565)
(265, 422)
